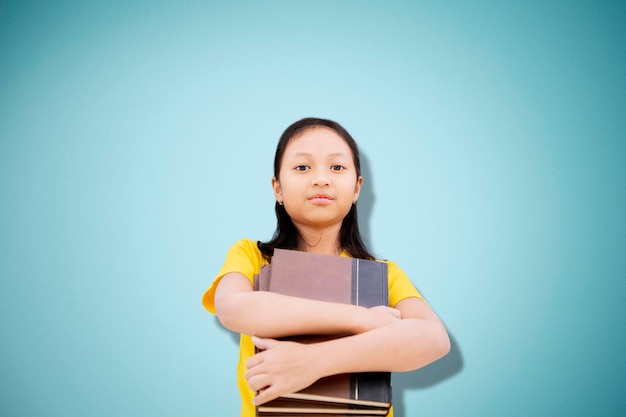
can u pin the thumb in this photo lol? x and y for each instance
(264, 344)
(395, 312)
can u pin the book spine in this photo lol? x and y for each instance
(369, 283)
(369, 289)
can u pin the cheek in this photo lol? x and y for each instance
(350, 186)
(286, 192)
(292, 184)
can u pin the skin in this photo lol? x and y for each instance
(317, 184)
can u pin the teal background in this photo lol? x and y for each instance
(136, 145)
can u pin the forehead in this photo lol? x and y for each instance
(318, 140)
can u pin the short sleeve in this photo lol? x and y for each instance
(400, 286)
(243, 257)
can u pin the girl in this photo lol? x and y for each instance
(316, 184)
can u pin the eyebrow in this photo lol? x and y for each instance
(334, 154)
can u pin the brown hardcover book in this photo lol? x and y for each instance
(336, 279)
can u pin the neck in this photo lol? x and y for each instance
(324, 241)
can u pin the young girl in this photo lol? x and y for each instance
(316, 184)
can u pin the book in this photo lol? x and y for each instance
(338, 279)
(307, 404)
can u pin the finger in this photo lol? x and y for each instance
(254, 361)
(264, 344)
(258, 382)
(265, 395)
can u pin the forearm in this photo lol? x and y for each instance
(266, 314)
(406, 345)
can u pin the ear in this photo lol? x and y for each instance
(357, 189)
(278, 192)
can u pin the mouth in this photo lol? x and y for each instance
(321, 198)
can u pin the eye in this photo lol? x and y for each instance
(301, 167)
(337, 167)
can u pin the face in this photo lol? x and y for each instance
(317, 182)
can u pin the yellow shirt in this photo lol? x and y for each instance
(246, 258)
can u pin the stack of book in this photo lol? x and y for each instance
(336, 279)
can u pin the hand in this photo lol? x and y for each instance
(378, 316)
(281, 368)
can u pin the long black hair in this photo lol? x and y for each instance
(286, 236)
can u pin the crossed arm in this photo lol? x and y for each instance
(403, 338)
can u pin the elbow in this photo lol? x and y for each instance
(442, 343)
(226, 321)
(431, 343)
(439, 342)
(228, 312)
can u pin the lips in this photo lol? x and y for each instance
(321, 198)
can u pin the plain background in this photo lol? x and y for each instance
(136, 146)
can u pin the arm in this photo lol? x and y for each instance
(411, 343)
(267, 314)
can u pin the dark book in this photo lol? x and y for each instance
(335, 279)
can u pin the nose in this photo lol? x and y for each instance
(321, 179)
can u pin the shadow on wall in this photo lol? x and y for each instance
(434, 373)
(366, 201)
(426, 377)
